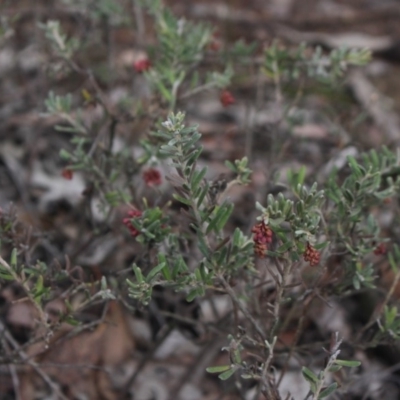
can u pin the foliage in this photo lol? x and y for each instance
(305, 222)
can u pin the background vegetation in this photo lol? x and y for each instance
(170, 189)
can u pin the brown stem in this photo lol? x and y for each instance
(243, 309)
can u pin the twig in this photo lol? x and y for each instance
(298, 332)
(13, 371)
(285, 271)
(195, 372)
(265, 386)
(243, 309)
(24, 357)
(139, 19)
(24, 284)
(374, 317)
(147, 358)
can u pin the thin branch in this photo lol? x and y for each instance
(28, 291)
(243, 309)
(24, 357)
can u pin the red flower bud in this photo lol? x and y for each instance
(380, 249)
(152, 177)
(142, 65)
(226, 98)
(311, 255)
(128, 223)
(262, 238)
(214, 45)
(67, 173)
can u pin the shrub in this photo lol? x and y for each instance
(309, 240)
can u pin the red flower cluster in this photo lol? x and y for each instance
(311, 255)
(226, 98)
(127, 222)
(380, 249)
(152, 177)
(215, 42)
(67, 174)
(262, 238)
(142, 65)
(214, 45)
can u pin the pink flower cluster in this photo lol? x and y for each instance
(311, 255)
(128, 223)
(262, 238)
(226, 98)
(152, 177)
(380, 249)
(142, 65)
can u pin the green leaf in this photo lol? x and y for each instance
(224, 218)
(390, 315)
(218, 369)
(193, 294)
(320, 246)
(197, 177)
(330, 389)
(201, 244)
(13, 261)
(39, 287)
(301, 175)
(348, 363)
(309, 375)
(166, 272)
(221, 255)
(163, 90)
(156, 270)
(221, 216)
(357, 169)
(65, 155)
(138, 273)
(334, 368)
(202, 195)
(230, 166)
(70, 129)
(356, 283)
(285, 247)
(182, 199)
(227, 374)
(71, 321)
(191, 160)
(4, 275)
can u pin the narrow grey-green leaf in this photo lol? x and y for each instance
(197, 177)
(138, 274)
(329, 390)
(227, 374)
(348, 363)
(309, 375)
(202, 195)
(218, 368)
(182, 199)
(153, 273)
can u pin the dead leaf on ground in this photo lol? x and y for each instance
(83, 364)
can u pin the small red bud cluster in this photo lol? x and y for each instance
(380, 249)
(262, 238)
(152, 177)
(226, 98)
(214, 45)
(142, 65)
(311, 255)
(215, 42)
(127, 222)
(67, 174)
